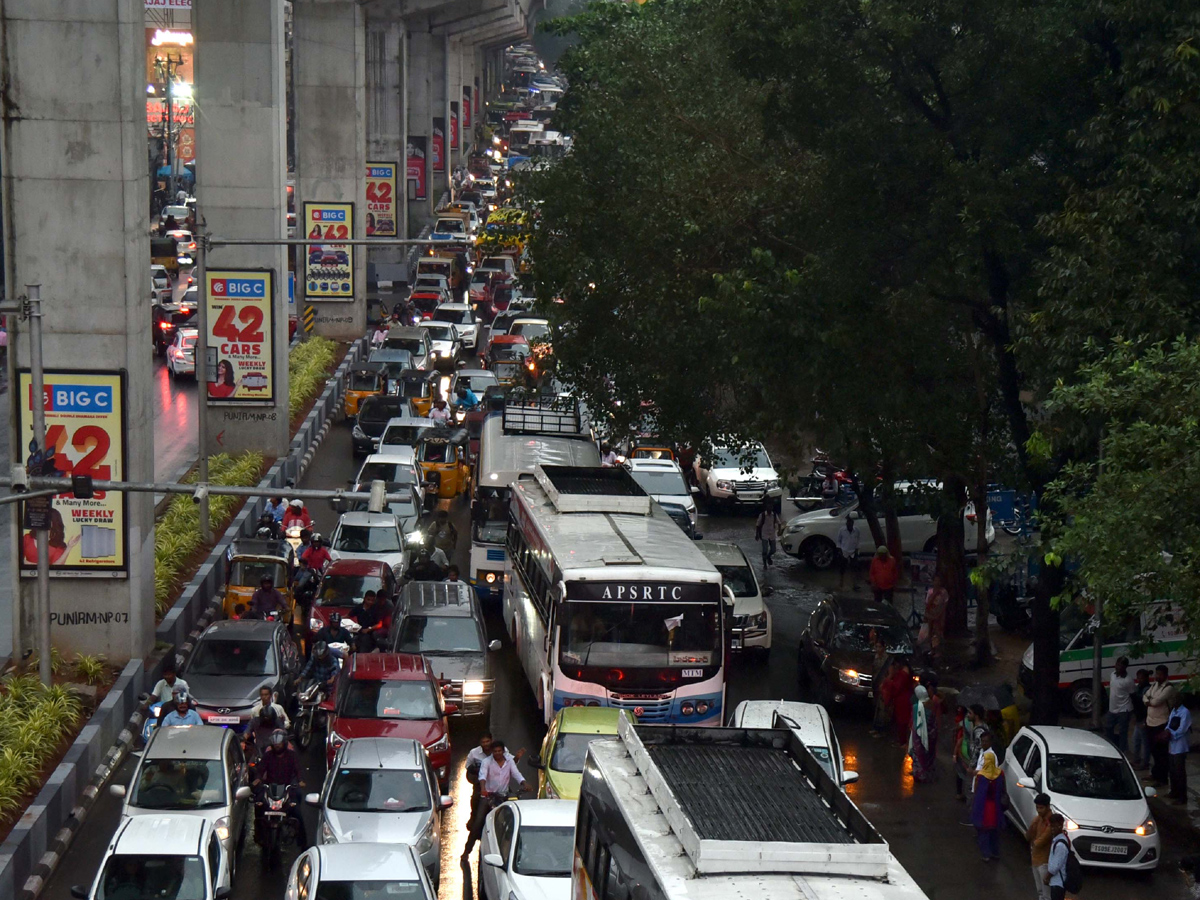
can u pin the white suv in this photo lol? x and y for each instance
(663, 480)
(737, 476)
(751, 626)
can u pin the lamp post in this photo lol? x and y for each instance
(165, 68)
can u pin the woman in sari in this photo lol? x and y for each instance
(884, 662)
(987, 810)
(899, 687)
(922, 740)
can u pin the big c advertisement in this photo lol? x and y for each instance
(85, 430)
(381, 199)
(240, 333)
(416, 167)
(329, 266)
(439, 143)
(466, 108)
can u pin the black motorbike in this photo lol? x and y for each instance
(276, 825)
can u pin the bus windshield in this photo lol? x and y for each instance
(490, 522)
(641, 634)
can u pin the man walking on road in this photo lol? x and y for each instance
(1038, 835)
(1120, 705)
(1178, 726)
(847, 544)
(1060, 849)
(766, 531)
(884, 574)
(1158, 698)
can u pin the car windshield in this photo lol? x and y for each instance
(363, 381)
(250, 572)
(412, 345)
(234, 658)
(1093, 777)
(367, 539)
(544, 851)
(570, 750)
(343, 590)
(440, 332)
(379, 409)
(859, 637)
(141, 877)
(369, 890)
(641, 634)
(379, 790)
(477, 383)
(661, 482)
(439, 634)
(379, 471)
(403, 435)
(449, 226)
(531, 331)
(364, 699)
(739, 579)
(751, 457)
(179, 784)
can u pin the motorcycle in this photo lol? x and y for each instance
(292, 536)
(310, 717)
(276, 824)
(153, 714)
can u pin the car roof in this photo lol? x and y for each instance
(166, 835)
(454, 307)
(429, 323)
(1074, 741)
(177, 742)
(438, 598)
(189, 331)
(474, 373)
(406, 420)
(545, 812)
(864, 609)
(355, 567)
(363, 519)
(651, 465)
(241, 629)
(389, 666)
(531, 320)
(381, 753)
(362, 861)
(589, 720)
(811, 720)
(396, 454)
(722, 553)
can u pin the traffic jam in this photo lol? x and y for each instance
(533, 677)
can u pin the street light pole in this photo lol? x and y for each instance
(38, 408)
(201, 358)
(170, 135)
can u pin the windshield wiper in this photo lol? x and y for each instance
(544, 873)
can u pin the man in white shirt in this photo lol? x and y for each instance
(847, 544)
(496, 773)
(266, 698)
(1120, 705)
(440, 412)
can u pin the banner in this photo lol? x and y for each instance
(240, 365)
(85, 429)
(466, 108)
(477, 93)
(329, 267)
(168, 4)
(416, 167)
(439, 144)
(381, 199)
(453, 124)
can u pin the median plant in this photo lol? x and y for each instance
(308, 370)
(33, 721)
(92, 669)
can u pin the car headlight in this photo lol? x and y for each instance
(433, 354)
(327, 835)
(1070, 824)
(772, 484)
(724, 485)
(759, 621)
(472, 688)
(793, 528)
(315, 624)
(414, 538)
(221, 827)
(551, 793)
(358, 433)
(442, 743)
(425, 841)
(1146, 828)
(850, 676)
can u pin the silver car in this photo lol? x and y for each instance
(368, 535)
(383, 790)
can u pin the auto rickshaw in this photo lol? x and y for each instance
(364, 380)
(444, 456)
(420, 388)
(247, 562)
(506, 357)
(650, 449)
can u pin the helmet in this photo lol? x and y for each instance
(297, 503)
(321, 650)
(180, 693)
(316, 539)
(278, 738)
(267, 715)
(335, 619)
(267, 581)
(263, 532)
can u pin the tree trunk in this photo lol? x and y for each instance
(1045, 646)
(983, 640)
(869, 510)
(952, 560)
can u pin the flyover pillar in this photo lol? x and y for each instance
(242, 135)
(385, 139)
(420, 95)
(329, 84)
(76, 201)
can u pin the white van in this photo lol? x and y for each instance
(751, 628)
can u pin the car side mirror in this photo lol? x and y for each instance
(312, 799)
(1151, 791)
(242, 793)
(495, 860)
(535, 761)
(79, 892)
(695, 489)
(451, 709)
(445, 802)
(117, 790)
(849, 777)
(1026, 783)
(493, 645)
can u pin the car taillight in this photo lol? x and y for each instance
(164, 325)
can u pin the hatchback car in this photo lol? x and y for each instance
(414, 340)
(192, 771)
(810, 722)
(404, 431)
(836, 654)
(383, 790)
(751, 627)
(444, 623)
(343, 586)
(1092, 785)
(181, 353)
(564, 749)
(374, 413)
(232, 660)
(391, 695)
(526, 849)
(370, 536)
(663, 480)
(393, 465)
(161, 856)
(354, 871)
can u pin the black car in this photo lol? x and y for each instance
(680, 515)
(168, 317)
(373, 415)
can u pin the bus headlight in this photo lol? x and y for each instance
(687, 708)
(702, 707)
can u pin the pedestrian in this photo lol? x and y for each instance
(884, 662)
(847, 545)
(899, 688)
(1121, 686)
(767, 530)
(1056, 864)
(884, 574)
(1141, 746)
(922, 741)
(934, 627)
(1158, 699)
(987, 811)
(1038, 836)
(968, 743)
(961, 752)
(1178, 725)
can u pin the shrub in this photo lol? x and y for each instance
(308, 370)
(91, 669)
(33, 720)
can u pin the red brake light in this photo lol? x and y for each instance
(616, 675)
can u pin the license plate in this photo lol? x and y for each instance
(870, 695)
(1110, 849)
(224, 720)
(736, 643)
(756, 495)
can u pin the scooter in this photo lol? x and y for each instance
(153, 714)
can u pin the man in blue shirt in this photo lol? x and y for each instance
(182, 714)
(467, 398)
(1060, 849)
(1179, 723)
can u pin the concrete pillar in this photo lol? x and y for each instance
(329, 82)
(384, 89)
(440, 106)
(448, 88)
(76, 220)
(420, 68)
(242, 134)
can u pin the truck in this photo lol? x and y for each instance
(687, 813)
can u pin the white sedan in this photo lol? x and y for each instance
(359, 870)
(525, 850)
(181, 353)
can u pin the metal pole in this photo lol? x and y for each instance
(170, 135)
(201, 357)
(353, 242)
(61, 485)
(38, 404)
(1097, 635)
(447, 154)
(404, 128)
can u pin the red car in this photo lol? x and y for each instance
(391, 695)
(342, 588)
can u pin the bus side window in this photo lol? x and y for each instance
(614, 885)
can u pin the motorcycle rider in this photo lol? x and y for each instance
(266, 599)
(280, 765)
(321, 667)
(268, 529)
(334, 632)
(266, 700)
(467, 398)
(296, 515)
(317, 553)
(496, 773)
(370, 617)
(164, 690)
(442, 532)
(305, 584)
(182, 714)
(275, 507)
(424, 569)
(262, 725)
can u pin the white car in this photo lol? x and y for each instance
(737, 476)
(383, 790)
(451, 228)
(532, 329)
(525, 850)
(751, 626)
(505, 264)
(393, 464)
(663, 480)
(813, 535)
(810, 722)
(368, 535)
(161, 856)
(403, 431)
(181, 353)
(462, 319)
(445, 343)
(160, 284)
(391, 871)
(429, 281)
(1095, 789)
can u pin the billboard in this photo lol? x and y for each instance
(416, 167)
(453, 124)
(329, 266)
(466, 108)
(381, 199)
(240, 365)
(85, 428)
(439, 144)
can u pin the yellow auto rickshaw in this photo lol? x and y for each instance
(444, 456)
(420, 388)
(364, 380)
(507, 357)
(247, 562)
